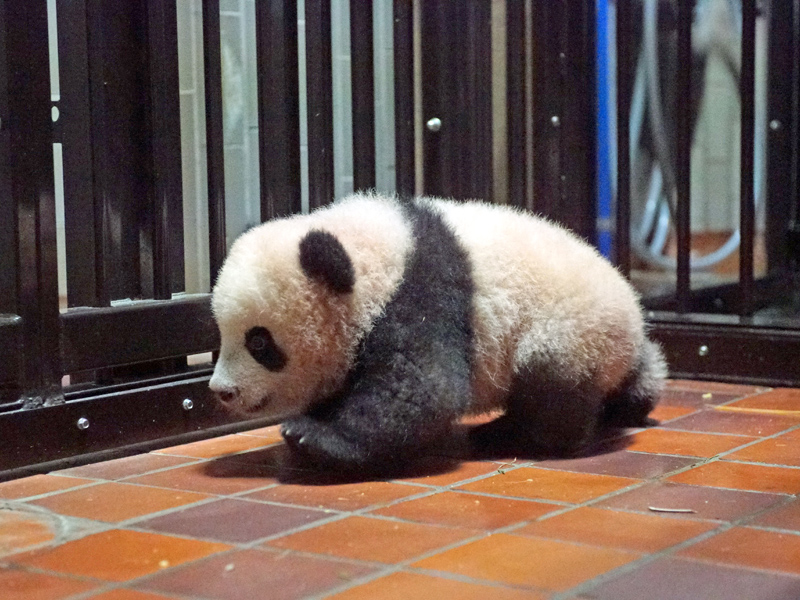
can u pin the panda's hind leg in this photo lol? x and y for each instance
(546, 415)
(631, 404)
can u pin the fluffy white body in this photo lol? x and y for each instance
(542, 305)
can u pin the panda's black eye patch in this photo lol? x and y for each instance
(261, 346)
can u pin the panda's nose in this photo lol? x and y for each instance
(226, 395)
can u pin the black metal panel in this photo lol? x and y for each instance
(319, 97)
(363, 85)
(115, 419)
(278, 108)
(11, 357)
(564, 170)
(735, 350)
(215, 152)
(31, 177)
(516, 100)
(683, 111)
(747, 211)
(8, 211)
(146, 331)
(76, 140)
(624, 46)
(165, 146)
(456, 89)
(403, 34)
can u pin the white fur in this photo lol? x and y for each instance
(261, 283)
(542, 299)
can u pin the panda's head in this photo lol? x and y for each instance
(283, 306)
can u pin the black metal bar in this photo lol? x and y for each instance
(747, 203)
(32, 189)
(215, 152)
(683, 154)
(8, 209)
(137, 332)
(516, 102)
(319, 97)
(405, 164)
(477, 153)
(363, 85)
(278, 108)
(624, 46)
(11, 348)
(166, 183)
(76, 137)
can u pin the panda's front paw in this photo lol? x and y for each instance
(319, 444)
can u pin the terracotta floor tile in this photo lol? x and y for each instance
(468, 510)
(256, 574)
(664, 412)
(536, 562)
(622, 464)
(461, 471)
(230, 520)
(123, 594)
(750, 548)
(615, 529)
(218, 446)
(782, 450)
(127, 467)
(348, 496)
(20, 530)
(114, 502)
(212, 477)
(272, 434)
(408, 586)
(21, 585)
(733, 389)
(707, 502)
(785, 517)
(782, 399)
(664, 441)
(717, 421)
(17, 489)
(694, 399)
(371, 539)
(125, 555)
(676, 579)
(743, 476)
(546, 484)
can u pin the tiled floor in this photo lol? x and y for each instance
(707, 505)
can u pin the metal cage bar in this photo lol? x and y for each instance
(319, 97)
(517, 101)
(683, 147)
(747, 199)
(624, 45)
(363, 94)
(278, 108)
(215, 151)
(403, 35)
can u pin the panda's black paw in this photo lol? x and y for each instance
(319, 444)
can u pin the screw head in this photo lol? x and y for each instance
(188, 404)
(702, 350)
(83, 424)
(434, 124)
(774, 124)
(555, 120)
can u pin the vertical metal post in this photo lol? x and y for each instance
(319, 86)
(215, 152)
(363, 93)
(404, 96)
(28, 122)
(8, 210)
(683, 154)
(278, 107)
(747, 203)
(516, 101)
(624, 47)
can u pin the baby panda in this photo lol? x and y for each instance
(371, 326)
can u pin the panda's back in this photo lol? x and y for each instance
(543, 299)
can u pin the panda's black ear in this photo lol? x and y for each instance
(324, 259)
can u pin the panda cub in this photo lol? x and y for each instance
(369, 327)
